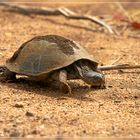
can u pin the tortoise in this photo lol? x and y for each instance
(54, 59)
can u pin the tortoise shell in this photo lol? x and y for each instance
(43, 54)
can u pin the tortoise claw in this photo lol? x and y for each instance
(65, 88)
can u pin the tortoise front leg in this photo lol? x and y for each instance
(63, 82)
(60, 78)
(6, 75)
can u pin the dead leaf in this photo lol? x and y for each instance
(120, 17)
(135, 24)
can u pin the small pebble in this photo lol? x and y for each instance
(34, 132)
(6, 130)
(19, 105)
(29, 114)
(109, 86)
(15, 133)
(117, 101)
(102, 48)
(46, 118)
(84, 131)
(1, 134)
(136, 97)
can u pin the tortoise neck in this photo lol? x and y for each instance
(82, 67)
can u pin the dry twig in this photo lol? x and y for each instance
(117, 60)
(59, 11)
(118, 67)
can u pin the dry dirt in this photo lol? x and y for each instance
(31, 110)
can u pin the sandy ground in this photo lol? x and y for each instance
(30, 110)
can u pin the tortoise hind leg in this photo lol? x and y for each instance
(6, 75)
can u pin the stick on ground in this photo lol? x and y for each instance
(118, 67)
(58, 11)
(117, 60)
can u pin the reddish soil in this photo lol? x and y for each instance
(30, 110)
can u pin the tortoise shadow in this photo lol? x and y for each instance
(78, 92)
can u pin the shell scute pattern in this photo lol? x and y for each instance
(65, 45)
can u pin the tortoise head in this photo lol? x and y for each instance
(89, 73)
(95, 79)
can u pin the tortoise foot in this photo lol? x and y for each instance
(65, 88)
